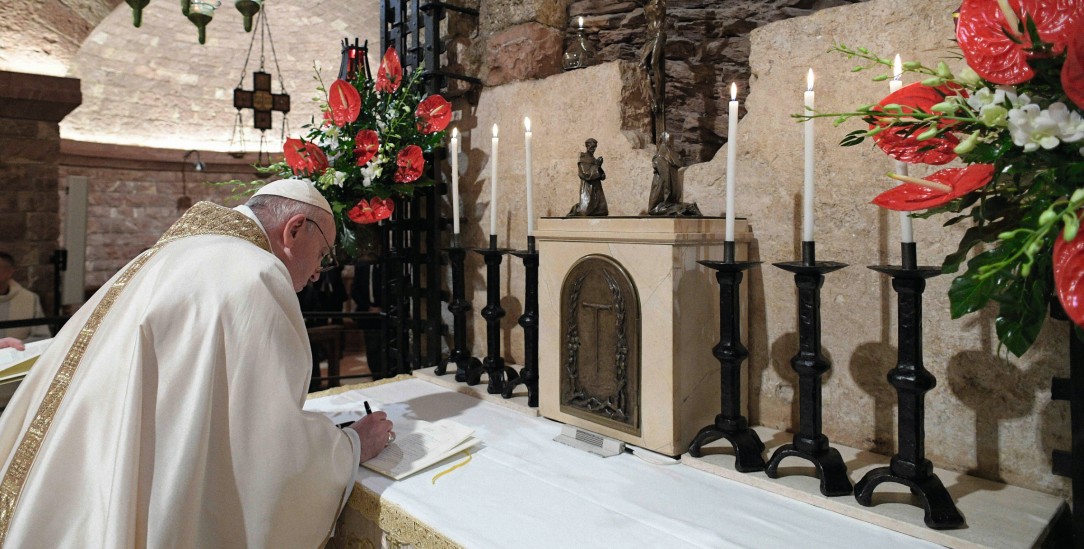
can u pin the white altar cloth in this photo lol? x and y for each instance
(521, 489)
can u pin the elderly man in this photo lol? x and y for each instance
(18, 303)
(167, 412)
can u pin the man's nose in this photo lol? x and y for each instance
(315, 276)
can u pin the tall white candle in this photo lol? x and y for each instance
(455, 180)
(581, 21)
(907, 233)
(530, 186)
(493, 186)
(731, 160)
(807, 203)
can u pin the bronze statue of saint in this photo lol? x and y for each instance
(665, 197)
(592, 198)
(654, 62)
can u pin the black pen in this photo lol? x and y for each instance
(368, 410)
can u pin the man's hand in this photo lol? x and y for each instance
(6, 342)
(374, 430)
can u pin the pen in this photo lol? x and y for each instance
(368, 410)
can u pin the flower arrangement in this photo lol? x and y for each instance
(1013, 117)
(370, 146)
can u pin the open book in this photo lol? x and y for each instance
(419, 444)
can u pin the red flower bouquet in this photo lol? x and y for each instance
(1015, 117)
(370, 145)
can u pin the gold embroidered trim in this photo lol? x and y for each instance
(209, 218)
(400, 526)
(201, 219)
(347, 388)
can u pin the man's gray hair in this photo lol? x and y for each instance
(274, 211)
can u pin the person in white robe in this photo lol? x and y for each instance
(18, 303)
(167, 412)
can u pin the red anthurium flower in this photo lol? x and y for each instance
(1069, 275)
(433, 114)
(910, 197)
(1072, 72)
(390, 74)
(371, 211)
(304, 158)
(345, 102)
(901, 141)
(366, 144)
(1000, 54)
(410, 163)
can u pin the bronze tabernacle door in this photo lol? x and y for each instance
(600, 344)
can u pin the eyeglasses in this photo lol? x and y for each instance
(328, 261)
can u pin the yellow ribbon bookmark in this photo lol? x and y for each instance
(453, 467)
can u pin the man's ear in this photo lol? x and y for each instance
(291, 229)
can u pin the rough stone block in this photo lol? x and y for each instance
(497, 15)
(523, 52)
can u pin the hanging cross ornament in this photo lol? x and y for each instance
(261, 100)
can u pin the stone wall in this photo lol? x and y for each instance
(990, 415)
(132, 196)
(706, 50)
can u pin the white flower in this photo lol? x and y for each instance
(372, 171)
(1032, 128)
(339, 178)
(990, 104)
(1070, 123)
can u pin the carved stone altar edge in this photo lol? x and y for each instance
(618, 408)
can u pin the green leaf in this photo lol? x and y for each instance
(1021, 316)
(968, 293)
(853, 138)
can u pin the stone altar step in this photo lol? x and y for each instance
(997, 515)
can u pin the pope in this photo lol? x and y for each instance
(167, 412)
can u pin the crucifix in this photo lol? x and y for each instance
(261, 100)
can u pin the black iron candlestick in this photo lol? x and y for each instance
(466, 366)
(809, 442)
(909, 466)
(730, 353)
(528, 375)
(493, 363)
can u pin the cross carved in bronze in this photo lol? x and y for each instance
(261, 100)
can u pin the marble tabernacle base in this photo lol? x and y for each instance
(632, 360)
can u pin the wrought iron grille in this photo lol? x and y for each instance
(413, 264)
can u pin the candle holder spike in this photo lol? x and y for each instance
(912, 381)
(528, 375)
(730, 353)
(809, 441)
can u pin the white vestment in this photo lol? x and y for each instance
(19, 304)
(182, 424)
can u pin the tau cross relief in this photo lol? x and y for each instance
(261, 100)
(600, 344)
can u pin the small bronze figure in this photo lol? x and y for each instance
(592, 198)
(665, 197)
